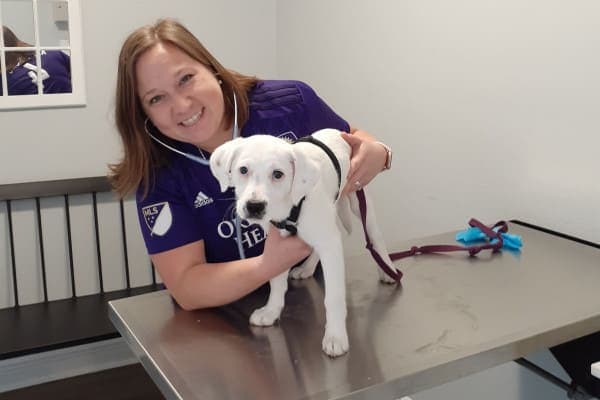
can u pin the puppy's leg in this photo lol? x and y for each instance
(374, 233)
(344, 214)
(335, 341)
(307, 268)
(267, 315)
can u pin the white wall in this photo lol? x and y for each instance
(79, 142)
(491, 107)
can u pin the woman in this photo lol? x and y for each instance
(175, 103)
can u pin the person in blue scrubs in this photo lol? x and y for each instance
(175, 104)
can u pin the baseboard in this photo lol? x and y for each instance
(53, 365)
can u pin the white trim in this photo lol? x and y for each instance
(38, 53)
(2, 59)
(20, 372)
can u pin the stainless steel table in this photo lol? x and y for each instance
(452, 316)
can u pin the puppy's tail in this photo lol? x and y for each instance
(344, 213)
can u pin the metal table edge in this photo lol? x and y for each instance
(146, 360)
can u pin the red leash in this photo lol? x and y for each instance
(436, 248)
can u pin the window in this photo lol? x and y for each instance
(41, 59)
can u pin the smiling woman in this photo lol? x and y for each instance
(40, 54)
(182, 97)
(175, 104)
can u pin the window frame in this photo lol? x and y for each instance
(40, 100)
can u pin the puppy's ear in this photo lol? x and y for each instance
(306, 175)
(221, 161)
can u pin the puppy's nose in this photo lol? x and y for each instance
(255, 209)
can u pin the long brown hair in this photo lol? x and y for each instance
(15, 58)
(141, 156)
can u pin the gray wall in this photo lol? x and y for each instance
(491, 106)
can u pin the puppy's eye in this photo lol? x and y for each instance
(277, 174)
(243, 170)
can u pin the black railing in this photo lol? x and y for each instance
(66, 188)
(76, 318)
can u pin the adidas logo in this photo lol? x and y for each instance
(202, 200)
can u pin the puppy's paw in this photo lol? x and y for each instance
(302, 272)
(335, 345)
(264, 316)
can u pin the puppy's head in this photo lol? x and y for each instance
(269, 176)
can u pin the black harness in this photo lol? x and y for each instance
(290, 224)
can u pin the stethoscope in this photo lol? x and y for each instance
(203, 161)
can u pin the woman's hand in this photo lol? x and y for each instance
(282, 253)
(368, 159)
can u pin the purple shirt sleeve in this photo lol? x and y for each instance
(318, 114)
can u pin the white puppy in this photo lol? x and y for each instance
(270, 177)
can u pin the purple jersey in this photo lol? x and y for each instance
(186, 204)
(56, 75)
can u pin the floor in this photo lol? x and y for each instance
(124, 383)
